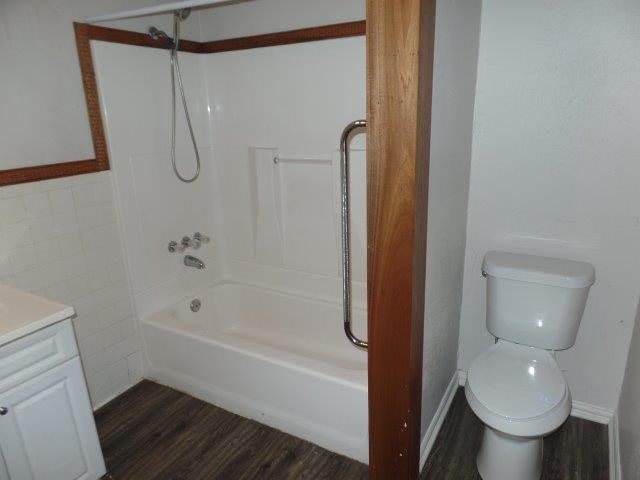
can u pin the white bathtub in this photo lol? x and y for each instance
(280, 359)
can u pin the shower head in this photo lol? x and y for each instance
(158, 34)
(183, 13)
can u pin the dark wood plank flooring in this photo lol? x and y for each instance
(576, 451)
(154, 432)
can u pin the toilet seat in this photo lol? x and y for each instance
(518, 390)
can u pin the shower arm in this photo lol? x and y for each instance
(345, 211)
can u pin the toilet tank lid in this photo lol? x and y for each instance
(554, 272)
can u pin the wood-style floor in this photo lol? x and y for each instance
(579, 450)
(153, 432)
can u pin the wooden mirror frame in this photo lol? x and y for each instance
(84, 33)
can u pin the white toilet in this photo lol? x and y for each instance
(534, 307)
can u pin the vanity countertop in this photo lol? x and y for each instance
(22, 313)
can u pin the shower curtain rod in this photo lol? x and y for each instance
(164, 8)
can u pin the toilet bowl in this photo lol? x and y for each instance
(520, 394)
(534, 307)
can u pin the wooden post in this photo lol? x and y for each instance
(400, 38)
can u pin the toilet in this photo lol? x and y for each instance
(516, 388)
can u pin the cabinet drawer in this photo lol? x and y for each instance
(29, 356)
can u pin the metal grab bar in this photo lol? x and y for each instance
(346, 230)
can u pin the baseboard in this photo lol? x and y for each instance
(591, 412)
(441, 413)
(615, 472)
(578, 409)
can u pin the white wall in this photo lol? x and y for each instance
(288, 102)
(155, 207)
(59, 239)
(554, 168)
(456, 47)
(43, 118)
(254, 17)
(268, 222)
(628, 411)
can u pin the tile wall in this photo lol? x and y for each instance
(59, 239)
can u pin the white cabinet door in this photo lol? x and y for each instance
(48, 431)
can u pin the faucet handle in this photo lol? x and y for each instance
(201, 237)
(176, 247)
(190, 242)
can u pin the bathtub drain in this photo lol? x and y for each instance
(195, 305)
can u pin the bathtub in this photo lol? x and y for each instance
(277, 358)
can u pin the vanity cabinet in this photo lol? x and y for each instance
(47, 430)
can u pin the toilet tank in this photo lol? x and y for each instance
(536, 301)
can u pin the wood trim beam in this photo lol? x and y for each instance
(400, 38)
(47, 172)
(85, 33)
(127, 37)
(325, 32)
(92, 98)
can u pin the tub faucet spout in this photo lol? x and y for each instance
(194, 262)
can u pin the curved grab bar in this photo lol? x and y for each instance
(346, 227)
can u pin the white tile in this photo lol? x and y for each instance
(110, 295)
(46, 228)
(47, 252)
(98, 383)
(85, 325)
(70, 244)
(12, 210)
(102, 257)
(22, 259)
(135, 366)
(91, 345)
(83, 196)
(40, 277)
(73, 267)
(54, 184)
(79, 286)
(37, 205)
(9, 280)
(15, 236)
(102, 193)
(100, 278)
(85, 306)
(61, 201)
(117, 273)
(58, 292)
(111, 335)
(17, 190)
(118, 370)
(96, 215)
(128, 328)
(123, 309)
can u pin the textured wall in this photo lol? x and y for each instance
(554, 168)
(628, 411)
(457, 31)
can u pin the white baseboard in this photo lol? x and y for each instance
(591, 412)
(615, 472)
(441, 413)
(578, 409)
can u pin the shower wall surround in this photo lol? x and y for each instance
(59, 239)
(273, 222)
(284, 213)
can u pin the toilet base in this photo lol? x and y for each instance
(505, 457)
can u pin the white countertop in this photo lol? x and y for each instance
(23, 313)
